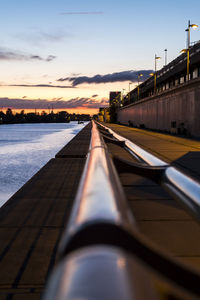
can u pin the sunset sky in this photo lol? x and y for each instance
(71, 53)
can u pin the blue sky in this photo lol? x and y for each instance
(43, 41)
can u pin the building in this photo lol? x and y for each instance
(115, 96)
(170, 76)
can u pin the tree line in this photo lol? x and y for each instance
(33, 117)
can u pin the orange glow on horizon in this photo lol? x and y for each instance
(77, 110)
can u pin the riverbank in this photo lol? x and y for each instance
(32, 221)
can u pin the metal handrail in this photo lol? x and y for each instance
(182, 187)
(100, 197)
(86, 258)
(99, 273)
(101, 228)
(135, 149)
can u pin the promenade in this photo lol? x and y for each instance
(32, 221)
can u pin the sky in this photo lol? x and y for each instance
(69, 54)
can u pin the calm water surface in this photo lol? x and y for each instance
(25, 148)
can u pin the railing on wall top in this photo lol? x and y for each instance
(183, 188)
(102, 253)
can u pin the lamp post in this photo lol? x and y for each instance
(156, 57)
(187, 50)
(129, 90)
(138, 88)
(151, 74)
(165, 57)
(122, 97)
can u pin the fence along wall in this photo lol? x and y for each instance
(176, 111)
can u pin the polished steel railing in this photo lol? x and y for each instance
(102, 253)
(183, 188)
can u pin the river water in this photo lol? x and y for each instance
(25, 148)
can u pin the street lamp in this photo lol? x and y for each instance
(187, 50)
(194, 26)
(156, 57)
(165, 57)
(129, 89)
(122, 97)
(139, 75)
(152, 74)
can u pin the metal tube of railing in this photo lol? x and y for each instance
(182, 187)
(141, 153)
(100, 197)
(98, 271)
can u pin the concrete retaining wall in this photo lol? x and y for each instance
(176, 110)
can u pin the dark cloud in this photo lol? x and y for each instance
(50, 57)
(113, 77)
(86, 102)
(57, 99)
(57, 103)
(83, 13)
(94, 96)
(37, 57)
(15, 55)
(40, 85)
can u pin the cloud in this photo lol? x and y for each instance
(40, 86)
(94, 96)
(42, 37)
(37, 57)
(50, 36)
(87, 102)
(50, 57)
(57, 103)
(57, 99)
(75, 74)
(15, 55)
(83, 13)
(131, 75)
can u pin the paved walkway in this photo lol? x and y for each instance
(158, 216)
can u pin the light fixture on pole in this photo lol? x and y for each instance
(165, 57)
(138, 89)
(156, 58)
(194, 26)
(129, 91)
(187, 50)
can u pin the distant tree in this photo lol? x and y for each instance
(32, 118)
(9, 118)
(2, 117)
(63, 116)
(9, 112)
(43, 113)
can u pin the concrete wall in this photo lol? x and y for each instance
(180, 105)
